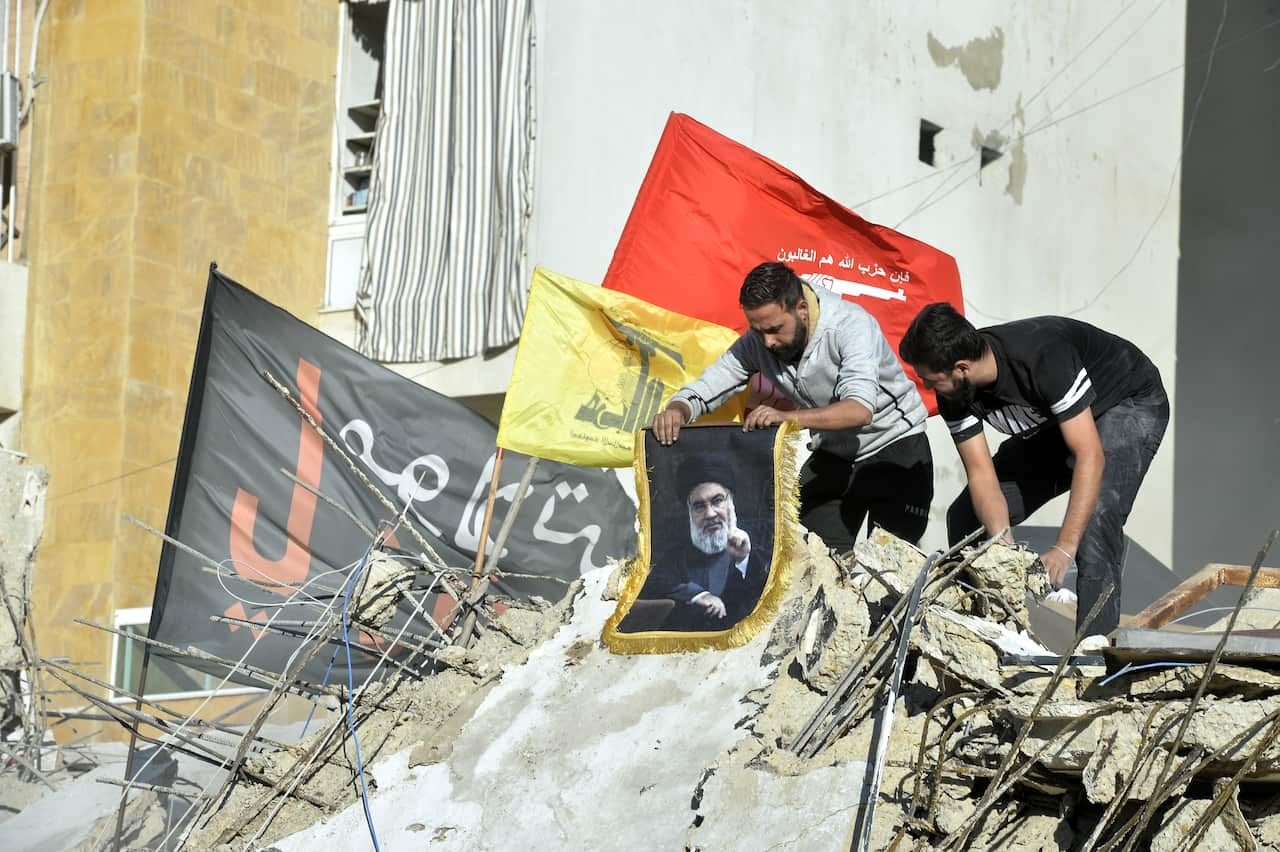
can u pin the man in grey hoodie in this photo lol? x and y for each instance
(829, 357)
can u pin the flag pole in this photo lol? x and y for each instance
(469, 622)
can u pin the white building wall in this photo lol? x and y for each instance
(1078, 217)
(13, 321)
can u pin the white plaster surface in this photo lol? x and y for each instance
(13, 320)
(758, 810)
(1079, 218)
(63, 818)
(602, 755)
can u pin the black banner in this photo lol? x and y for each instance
(232, 502)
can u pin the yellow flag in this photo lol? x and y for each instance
(594, 366)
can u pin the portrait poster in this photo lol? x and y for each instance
(718, 514)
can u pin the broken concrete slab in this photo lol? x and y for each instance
(1111, 766)
(1266, 832)
(603, 755)
(952, 645)
(1141, 645)
(893, 564)
(1180, 681)
(834, 632)
(1228, 832)
(969, 648)
(1015, 827)
(722, 822)
(386, 579)
(1007, 573)
(1226, 728)
(1261, 611)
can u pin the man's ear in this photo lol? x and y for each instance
(964, 367)
(802, 308)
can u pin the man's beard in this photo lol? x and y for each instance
(717, 540)
(963, 395)
(790, 353)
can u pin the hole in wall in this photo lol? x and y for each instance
(928, 132)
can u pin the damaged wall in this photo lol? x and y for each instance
(837, 92)
(22, 500)
(167, 134)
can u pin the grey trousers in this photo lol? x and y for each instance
(1035, 469)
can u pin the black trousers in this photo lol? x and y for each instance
(894, 487)
(1034, 470)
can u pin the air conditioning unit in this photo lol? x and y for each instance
(10, 106)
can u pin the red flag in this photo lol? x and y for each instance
(710, 210)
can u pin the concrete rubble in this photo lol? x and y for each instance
(395, 715)
(536, 736)
(386, 581)
(981, 754)
(22, 494)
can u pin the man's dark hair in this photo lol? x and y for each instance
(769, 283)
(940, 336)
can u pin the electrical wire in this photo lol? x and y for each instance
(1215, 48)
(1199, 612)
(191, 717)
(351, 690)
(926, 204)
(1008, 122)
(1130, 667)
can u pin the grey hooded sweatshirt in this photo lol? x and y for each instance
(847, 357)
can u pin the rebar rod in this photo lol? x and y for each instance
(333, 445)
(1149, 807)
(961, 834)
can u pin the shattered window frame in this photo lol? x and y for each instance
(126, 660)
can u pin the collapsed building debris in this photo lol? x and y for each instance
(985, 754)
(985, 746)
(287, 789)
(22, 493)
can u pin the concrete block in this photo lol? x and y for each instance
(1133, 644)
(833, 633)
(1228, 832)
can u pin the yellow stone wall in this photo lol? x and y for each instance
(167, 133)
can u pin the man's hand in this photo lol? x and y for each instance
(763, 417)
(666, 426)
(1057, 562)
(738, 546)
(711, 605)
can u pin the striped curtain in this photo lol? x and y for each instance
(452, 185)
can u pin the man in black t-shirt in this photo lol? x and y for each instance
(1085, 411)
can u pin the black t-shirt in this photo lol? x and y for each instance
(1051, 369)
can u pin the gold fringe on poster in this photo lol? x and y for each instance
(781, 479)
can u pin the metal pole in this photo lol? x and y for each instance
(469, 620)
(885, 722)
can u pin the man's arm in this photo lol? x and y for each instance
(1080, 434)
(984, 486)
(721, 380)
(845, 414)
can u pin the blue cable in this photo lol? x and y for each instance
(1130, 667)
(351, 722)
(323, 682)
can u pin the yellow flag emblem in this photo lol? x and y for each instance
(594, 366)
